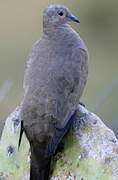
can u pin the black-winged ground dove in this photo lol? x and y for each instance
(54, 81)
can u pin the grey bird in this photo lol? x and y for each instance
(55, 77)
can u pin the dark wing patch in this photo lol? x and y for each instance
(58, 136)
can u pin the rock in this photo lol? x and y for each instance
(90, 151)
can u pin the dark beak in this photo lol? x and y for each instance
(73, 18)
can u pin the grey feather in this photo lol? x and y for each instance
(54, 80)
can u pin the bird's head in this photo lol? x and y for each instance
(56, 15)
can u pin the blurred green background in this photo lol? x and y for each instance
(21, 26)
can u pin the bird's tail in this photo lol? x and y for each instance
(39, 166)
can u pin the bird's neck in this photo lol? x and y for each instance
(59, 33)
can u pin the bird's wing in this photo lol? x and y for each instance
(58, 136)
(80, 57)
(21, 134)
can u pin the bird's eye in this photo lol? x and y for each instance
(61, 13)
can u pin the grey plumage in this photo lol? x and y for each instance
(54, 81)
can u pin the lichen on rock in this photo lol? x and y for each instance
(90, 151)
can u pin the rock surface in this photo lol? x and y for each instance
(90, 151)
